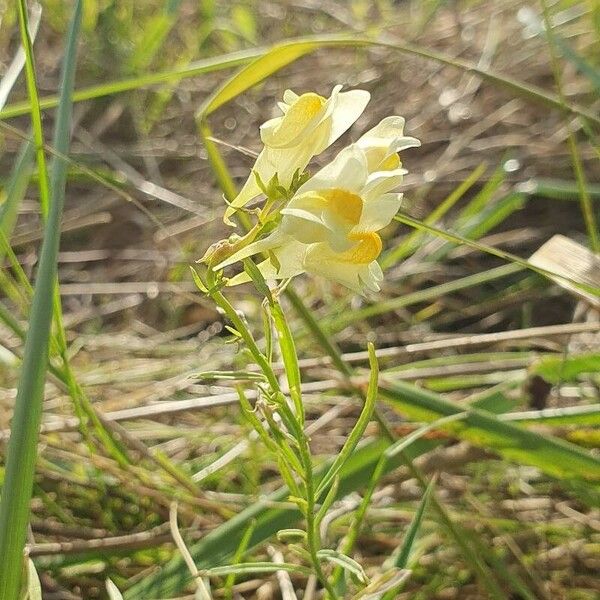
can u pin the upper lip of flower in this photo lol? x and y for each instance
(300, 119)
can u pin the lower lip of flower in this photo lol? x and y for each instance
(367, 249)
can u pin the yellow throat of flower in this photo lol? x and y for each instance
(345, 205)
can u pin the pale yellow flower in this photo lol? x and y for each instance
(309, 124)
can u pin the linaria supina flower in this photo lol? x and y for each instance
(310, 123)
(330, 225)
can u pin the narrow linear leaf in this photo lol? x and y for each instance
(411, 242)
(358, 429)
(287, 52)
(432, 293)
(256, 567)
(237, 558)
(507, 256)
(272, 61)
(553, 456)
(347, 563)
(15, 190)
(584, 196)
(10, 75)
(289, 356)
(402, 558)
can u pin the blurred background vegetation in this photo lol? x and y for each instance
(495, 166)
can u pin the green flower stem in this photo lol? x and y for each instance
(293, 422)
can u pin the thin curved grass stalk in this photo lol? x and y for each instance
(587, 208)
(358, 429)
(507, 256)
(410, 243)
(203, 592)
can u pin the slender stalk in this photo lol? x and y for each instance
(36, 115)
(584, 195)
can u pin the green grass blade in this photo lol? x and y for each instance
(11, 74)
(557, 189)
(431, 293)
(291, 50)
(410, 244)
(220, 168)
(402, 559)
(111, 88)
(358, 429)
(558, 369)
(483, 197)
(257, 567)
(344, 562)
(398, 448)
(36, 116)
(553, 456)
(582, 65)
(507, 256)
(22, 449)
(237, 558)
(481, 215)
(587, 415)
(326, 342)
(156, 30)
(289, 356)
(272, 61)
(15, 190)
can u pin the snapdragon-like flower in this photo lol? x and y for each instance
(310, 123)
(330, 225)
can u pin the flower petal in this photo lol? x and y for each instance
(289, 97)
(378, 213)
(381, 182)
(348, 107)
(383, 141)
(347, 171)
(299, 121)
(321, 260)
(290, 259)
